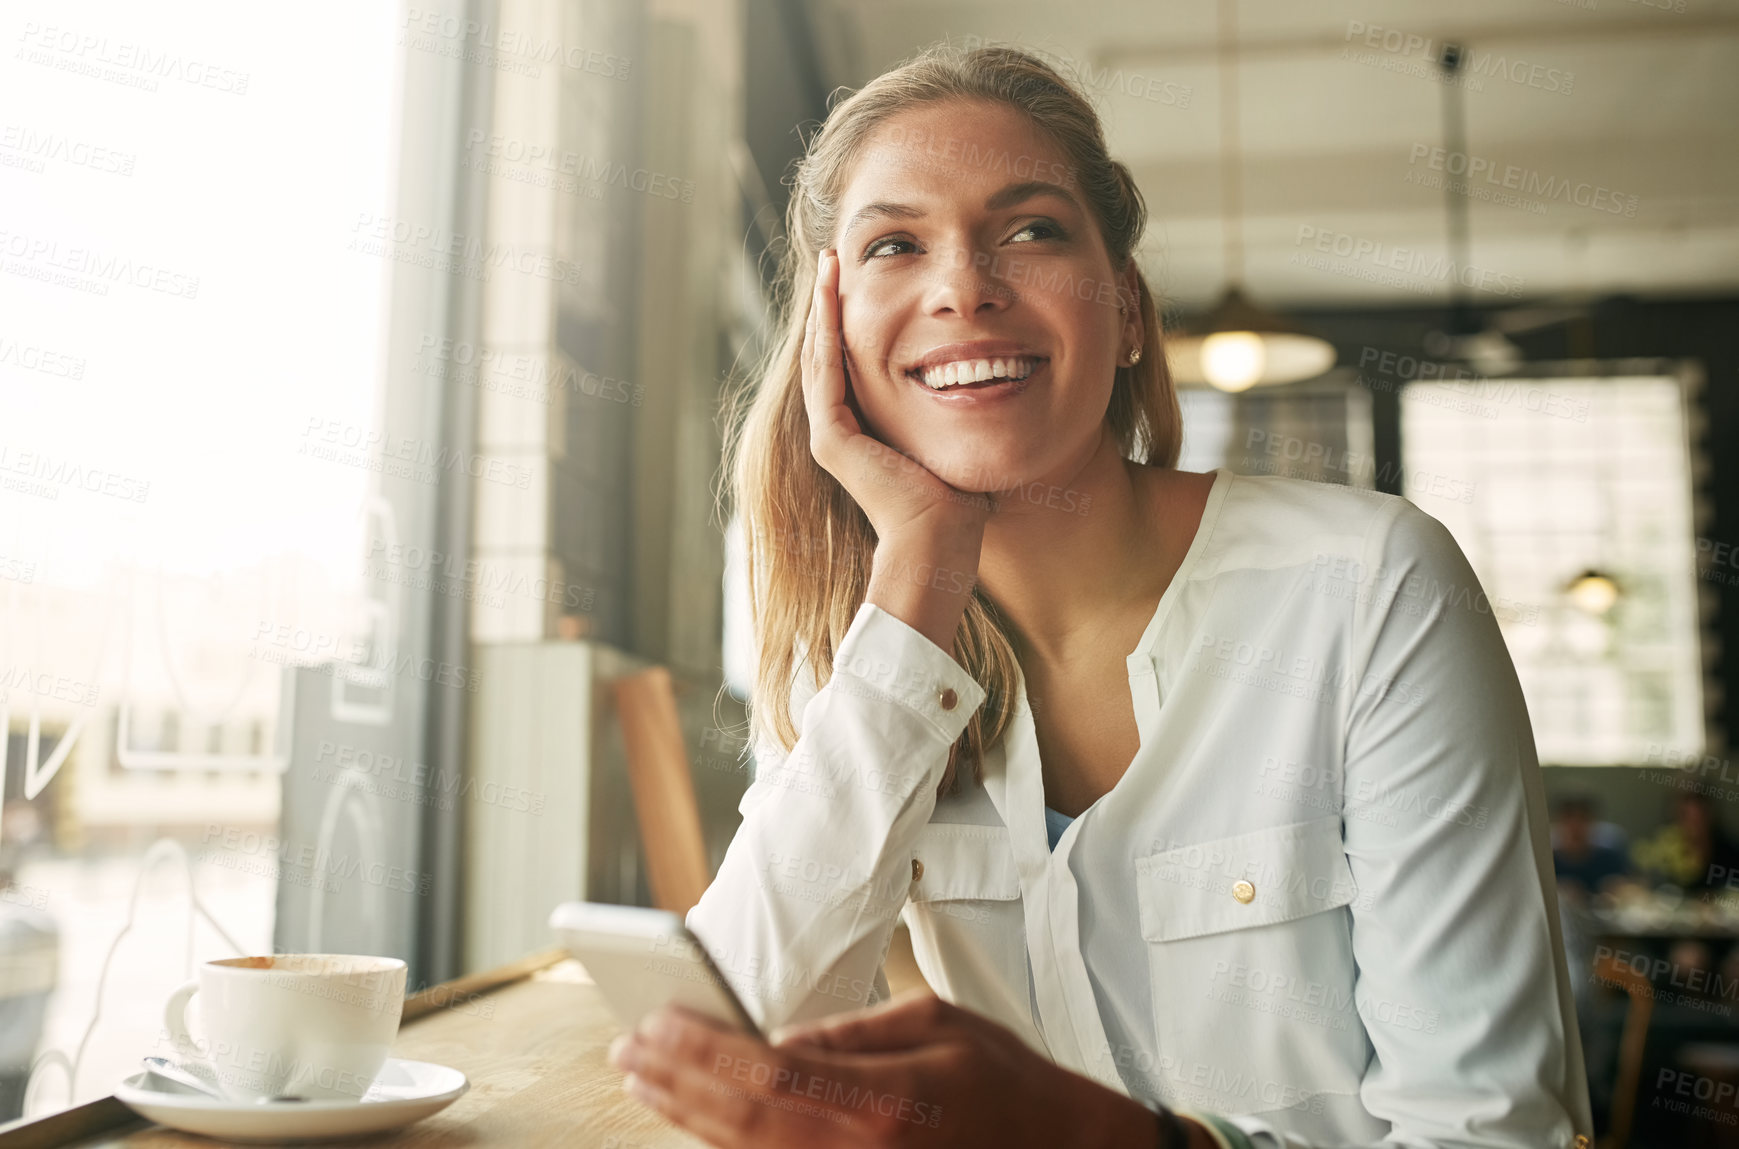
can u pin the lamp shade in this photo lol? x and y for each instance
(1593, 592)
(1237, 345)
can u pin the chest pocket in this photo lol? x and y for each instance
(968, 928)
(1249, 973)
(958, 862)
(1256, 879)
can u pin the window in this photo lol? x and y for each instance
(189, 341)
(1560, 476)
(1542, 480)
(1318, 431)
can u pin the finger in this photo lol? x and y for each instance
(825, 374)
(827, 341)
(725, 1087)
(807, 361)
(808, 348)
(909, 1020)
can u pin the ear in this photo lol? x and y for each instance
(1129, 294)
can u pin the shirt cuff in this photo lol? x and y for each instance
(1223, 1132)
(886, 658)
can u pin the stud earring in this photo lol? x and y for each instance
(1134, 356)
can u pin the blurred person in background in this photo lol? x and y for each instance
(1692, 852)
(1147, 916)
(1583, 863)
(1589, 858)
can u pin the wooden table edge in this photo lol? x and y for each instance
(109, 1115)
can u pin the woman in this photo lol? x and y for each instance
(1210, 802)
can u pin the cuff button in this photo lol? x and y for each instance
(1244, 892)
(948, 698)
(917, 870)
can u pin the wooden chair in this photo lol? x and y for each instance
(664, 799)
(1630, 1046)
(669, 815)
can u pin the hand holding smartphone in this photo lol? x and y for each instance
(643, 959)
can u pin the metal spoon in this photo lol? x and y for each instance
(167, 1069)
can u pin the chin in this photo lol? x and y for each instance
(978, 466)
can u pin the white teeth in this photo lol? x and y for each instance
(977, 371)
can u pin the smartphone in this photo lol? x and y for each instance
(642, 959)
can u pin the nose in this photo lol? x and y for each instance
(962, 285)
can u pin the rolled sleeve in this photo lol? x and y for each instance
(801, 913)
(881, 654)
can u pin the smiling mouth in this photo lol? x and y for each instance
(977, 372)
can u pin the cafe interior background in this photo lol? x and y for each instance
(360, 369)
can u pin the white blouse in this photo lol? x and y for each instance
(1319, 903)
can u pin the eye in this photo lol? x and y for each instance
(879, 247)
(1045, 229)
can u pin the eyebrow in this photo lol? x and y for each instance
(1004, 198)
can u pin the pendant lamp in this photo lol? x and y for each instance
(1238, 345)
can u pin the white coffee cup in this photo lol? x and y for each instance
(292, 1025)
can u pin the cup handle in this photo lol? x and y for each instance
(175, 1017)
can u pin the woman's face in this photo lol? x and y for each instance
(966, 249)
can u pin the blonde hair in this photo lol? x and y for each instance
(809, 545)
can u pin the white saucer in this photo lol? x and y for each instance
(405, 1091)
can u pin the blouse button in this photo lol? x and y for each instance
(1244, 892)
(948, 698)
(917, 870)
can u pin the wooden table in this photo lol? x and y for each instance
(533, 1049)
